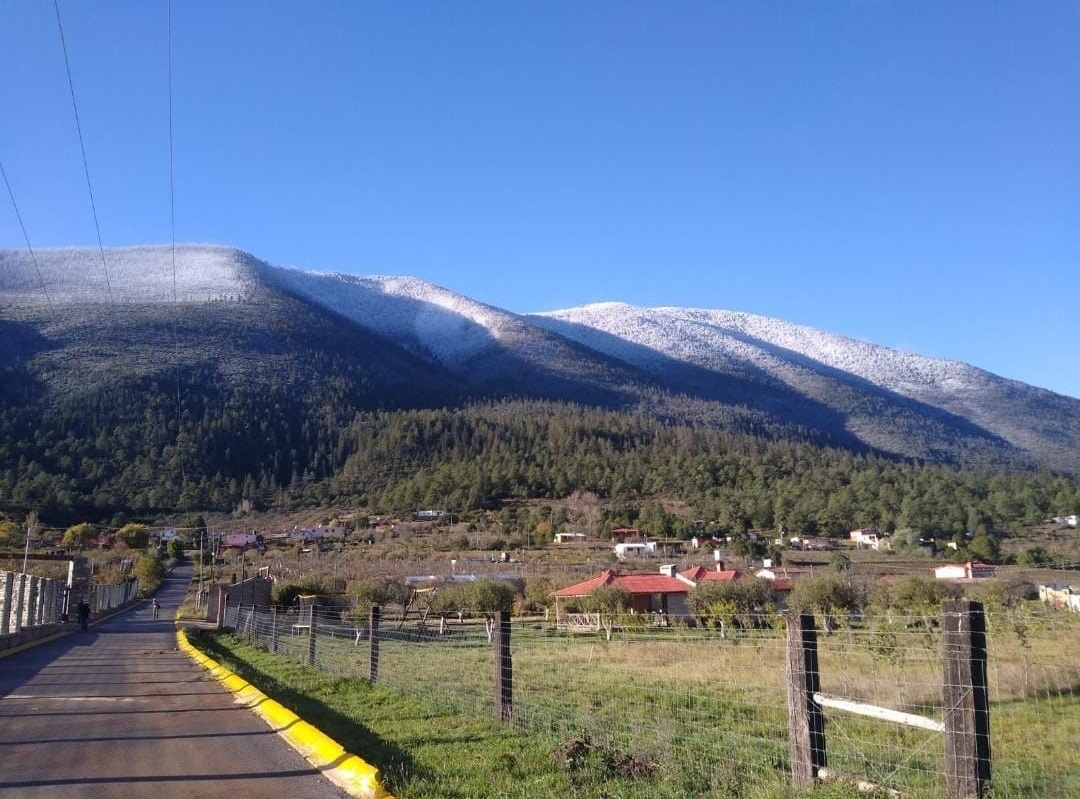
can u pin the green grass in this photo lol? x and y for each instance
(711, 713)
(427, 749)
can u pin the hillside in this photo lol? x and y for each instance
(894, 401)
(244, 379)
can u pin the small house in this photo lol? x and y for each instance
(965, 571)
(648, 593)
(1061, 597)
(570, 538)
(644, 549)
(699, 574)
(870, 538)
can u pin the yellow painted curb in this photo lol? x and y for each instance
(349, 772)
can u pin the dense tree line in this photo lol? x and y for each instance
(120, 451)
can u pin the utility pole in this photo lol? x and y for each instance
(202, 565)
(31, 523)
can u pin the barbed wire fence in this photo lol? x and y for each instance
(888, 702)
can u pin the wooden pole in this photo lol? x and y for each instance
(504, 671)
(967, 706)
(373, 643)
(806, 723)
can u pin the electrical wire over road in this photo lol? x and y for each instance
(82, 148)
(26, 236)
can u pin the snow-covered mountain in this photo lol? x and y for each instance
(709, 366)
(856, 377)
(83, 275)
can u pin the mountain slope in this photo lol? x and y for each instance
(857, 378)
(238, 323)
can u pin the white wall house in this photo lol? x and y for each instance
(1061, 597)
(870, 539)
(642, 550)
(965, 571)
(570, 538)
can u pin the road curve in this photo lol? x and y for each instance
(120, 712)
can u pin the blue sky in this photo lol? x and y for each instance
(904, 172)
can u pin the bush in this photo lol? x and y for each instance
(481, 596)
(607, 599)
(135, 536)
(537, 595)
(149, 571)
(914, 595)
(175, 548)
(737, 602)
(285, 594)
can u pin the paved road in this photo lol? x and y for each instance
(119, 712)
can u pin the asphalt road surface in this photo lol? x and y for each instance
(119, 712)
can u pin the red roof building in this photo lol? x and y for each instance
(699, 574)
(649, 593)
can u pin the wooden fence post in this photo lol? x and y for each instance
(967, 706)
(273, 629)
(373, 643)
(504, 670)
(311, 639)
(806, 723)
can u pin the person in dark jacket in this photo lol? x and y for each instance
(84, 615)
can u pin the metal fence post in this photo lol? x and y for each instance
(273, 629)
(806, 723)
(504, 670)
(967, 706)
(311, 639)
(373, 643)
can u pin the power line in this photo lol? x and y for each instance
(172, 234)
(82, 148)
(26, 236)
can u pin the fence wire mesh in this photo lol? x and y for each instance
(707, 698)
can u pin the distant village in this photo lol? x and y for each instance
(663, 590)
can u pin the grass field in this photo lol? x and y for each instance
(428, 750)
(711, 713)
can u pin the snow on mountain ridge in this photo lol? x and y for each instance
(719, 340)
(141, 274)
(428, 318)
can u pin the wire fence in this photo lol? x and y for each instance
(709, 701)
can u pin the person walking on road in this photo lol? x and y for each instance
(157, 607)
(84, 615)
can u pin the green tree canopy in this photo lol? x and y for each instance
(135, 536)
(79, 536)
